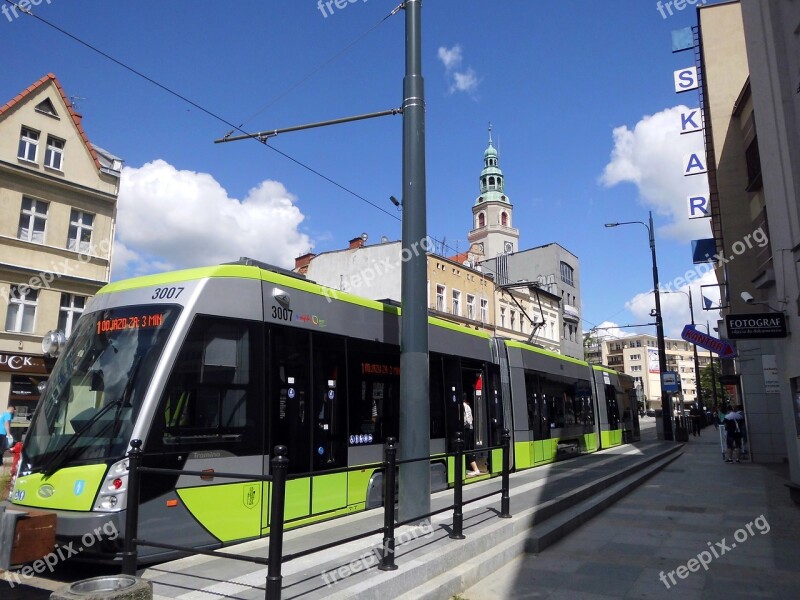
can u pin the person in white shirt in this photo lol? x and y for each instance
(469, 439)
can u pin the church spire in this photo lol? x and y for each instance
(492, 212)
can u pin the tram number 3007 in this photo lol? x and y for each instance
(166, 293)
(283, 314)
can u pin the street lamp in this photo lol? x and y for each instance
(666, 404)
(697, 387)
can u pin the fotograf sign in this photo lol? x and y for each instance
(756, 326)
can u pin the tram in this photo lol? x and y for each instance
(213, 367)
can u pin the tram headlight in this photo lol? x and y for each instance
(113, 494)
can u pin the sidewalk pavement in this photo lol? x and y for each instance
(701, 528)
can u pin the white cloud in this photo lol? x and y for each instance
(608, 330)
(675, 304)
(651, 157)
(451, 57)
(170, 219)
(461, 80)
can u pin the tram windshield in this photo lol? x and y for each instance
(95, 391)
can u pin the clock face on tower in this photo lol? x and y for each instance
(509, 247)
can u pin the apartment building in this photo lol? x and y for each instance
(58, 195)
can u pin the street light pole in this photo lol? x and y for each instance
(697, 386)
(666, 403)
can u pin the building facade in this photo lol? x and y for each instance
(551, 268)
(637, 355)
(58, 197)
(773, 52)
(742, 211)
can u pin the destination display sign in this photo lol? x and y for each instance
(754, 326)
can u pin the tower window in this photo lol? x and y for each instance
(491, 181)
(481, 220)
(504, 219)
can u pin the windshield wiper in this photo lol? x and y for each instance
(58, 459)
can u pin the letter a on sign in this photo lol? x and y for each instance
(685, 79)
(694, 165)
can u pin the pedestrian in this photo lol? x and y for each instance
(733, 435)
(6, 439)
(743, 429)
(694, 415)
(469, 439)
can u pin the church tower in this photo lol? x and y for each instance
(492, 212)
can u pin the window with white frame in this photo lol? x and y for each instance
(440, 298)
(456, 303)
(484, 310)
(28, 144)
(81, 225)
(567, 273)
(54, 153)
(21, 312)
(71, 309)
(470, 306)
(32, 220)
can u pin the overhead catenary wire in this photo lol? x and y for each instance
(222, 119)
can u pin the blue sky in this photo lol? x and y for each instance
(580, 95)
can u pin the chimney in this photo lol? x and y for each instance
(357, 242)
(301, 263)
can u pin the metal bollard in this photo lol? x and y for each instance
(130, 552)
(278, 467)
(390, 466)
(505, 498)
(458, 488)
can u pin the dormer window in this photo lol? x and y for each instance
(46, 107)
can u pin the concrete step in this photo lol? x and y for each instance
(546, 503)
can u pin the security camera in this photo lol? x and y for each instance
(747, 297)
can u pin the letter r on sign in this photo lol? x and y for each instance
(698, 207)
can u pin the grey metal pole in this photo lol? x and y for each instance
(666, 404)
(415, 485)
(697, 387)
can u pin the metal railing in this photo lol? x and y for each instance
(278, 477)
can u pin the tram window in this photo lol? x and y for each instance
(375, 392)
(206, 397)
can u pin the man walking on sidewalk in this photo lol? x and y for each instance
(733, 434)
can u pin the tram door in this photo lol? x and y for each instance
(474, 393)
(612, 408)
(291, 411)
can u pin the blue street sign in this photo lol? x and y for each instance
(708, 342)
(670, 381)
